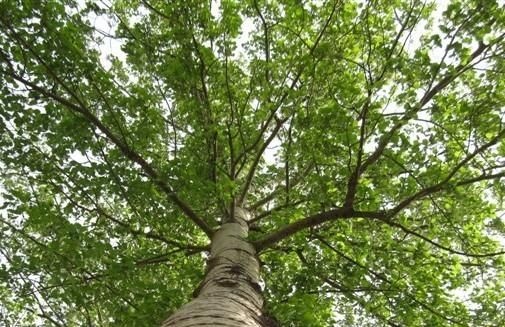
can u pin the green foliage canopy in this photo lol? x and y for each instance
(366, 138)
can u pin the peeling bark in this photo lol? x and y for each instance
(230, 294)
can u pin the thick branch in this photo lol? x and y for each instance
(343, 212)
(126, 150)
(81, 108)
(312, 221)
(352, 184)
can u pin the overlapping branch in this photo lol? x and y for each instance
(386, 215)
(79, 107)
(382, 277)
(273, 115)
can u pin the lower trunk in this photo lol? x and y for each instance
(230, 294)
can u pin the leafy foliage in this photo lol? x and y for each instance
(365, 137)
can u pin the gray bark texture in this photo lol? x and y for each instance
(230, 294)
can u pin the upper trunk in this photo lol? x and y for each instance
(230, 294)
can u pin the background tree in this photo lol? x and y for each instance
(362, 141)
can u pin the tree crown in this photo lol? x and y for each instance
(364, 137)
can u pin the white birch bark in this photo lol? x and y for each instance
(230, 294)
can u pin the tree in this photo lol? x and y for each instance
(252, 163)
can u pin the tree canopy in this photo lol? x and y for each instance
(366, 138)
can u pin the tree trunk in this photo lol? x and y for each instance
(230, 294)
